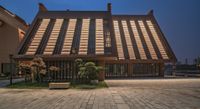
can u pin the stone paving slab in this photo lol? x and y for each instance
(122, 94)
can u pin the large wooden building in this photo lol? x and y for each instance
(126, 45)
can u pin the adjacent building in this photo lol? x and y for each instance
(127, 46)
(12, 31)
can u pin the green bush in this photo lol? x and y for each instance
(88, 70)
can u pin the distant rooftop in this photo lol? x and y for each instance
(14, 16)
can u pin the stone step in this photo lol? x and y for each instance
(60, 85)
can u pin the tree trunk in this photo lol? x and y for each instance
(25, 75)
(32, 77)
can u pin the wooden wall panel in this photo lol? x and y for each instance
(157, 40)
(69, 37)
(138, 40)
(38, 37)
(118, 40)
(84, 37)
(128, 40)
(99, 37)
(147, 40)
(53, 37)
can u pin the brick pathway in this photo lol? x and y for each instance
(122, 94)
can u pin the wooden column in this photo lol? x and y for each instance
(11, 71)
(162, 68)
(130, 70)
(102, 73)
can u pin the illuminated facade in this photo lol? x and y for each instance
(126, 45)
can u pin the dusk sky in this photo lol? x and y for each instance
(178, 19)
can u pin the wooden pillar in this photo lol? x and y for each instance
(130, 70)
(162, 68)
(11, 71)
(102, 73)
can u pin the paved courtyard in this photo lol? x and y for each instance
(122, 94)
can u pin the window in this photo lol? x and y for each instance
(145, 69)
(5, 68)
(108, 39)
(116, 70)
(107, 33)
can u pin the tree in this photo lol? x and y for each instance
(38, 69)
(54, 70)
(25, 68)
(88, 70)
(79, 62)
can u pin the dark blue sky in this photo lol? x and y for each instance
(179, 19)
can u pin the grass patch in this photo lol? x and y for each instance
(101, 84)
(28, 85)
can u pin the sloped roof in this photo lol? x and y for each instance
(14, 16)
(86, 33)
